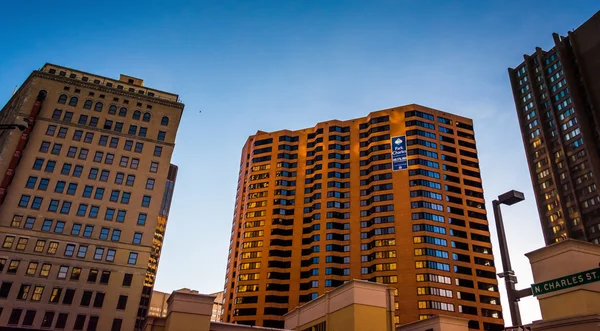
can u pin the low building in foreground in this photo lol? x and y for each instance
(159, 307)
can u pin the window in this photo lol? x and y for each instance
(88, 230)
(124, 161)
(139, 147)
(51, 130)
(82, 251)
(143, 131)
(62, 132)
(16, 221)
(94, 211)
(69, 249)
(137, 238)
(83, 153)
(8, 242)
(87, 191)
(5, 289)
(157, 150)
(94, 121)
(37, 203)
(24, 201)
(116, 235)
(161, 136)
(164, 121)
(114, 142)
(47, 225)
(45, 271)
(56, 149)
(65, 208)
(98, 106)
(118, 180)
(79, 321)
(21, 244)
(141, 219)
(89, 137)
(37, 293)
(128, 145)
(121, 216)
(147, 116)
(104, 233)
(77, 171)
(82, 119)
(77, 135)
(116, 324)
(50, 166)
(62, 272)
(39, 246)
(98, 301)
(132, 258)
(44, 147)
(48, 319)
(125, 197)
(31, 182)
(23, 292)
(75, 274)
(52, 248)
(104, 175)
(134, 163)
(82, 210)
(72, 189)
(99, 193)
(43, 184)
(98, 253)
(150, 183)
(29, 317)
(72, 152)
(137, 114)
(37, 164)
(132, 129)
(154, 166)
(61, 320)
(109, 158)
(110, 255)
(130, 180)
(62, 99)
(59, 227)
(105, 277)
(53, 206)
(98, 156)
(109, 215)
(123, 112)
(146, 201)
(13, 267)
(122, 303)
(118, 126)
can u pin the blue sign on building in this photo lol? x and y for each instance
(399, 161)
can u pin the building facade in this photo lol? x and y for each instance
(318, 207)
(159, 307)
(84, 199)
(557, 98)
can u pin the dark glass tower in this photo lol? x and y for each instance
(557, 97)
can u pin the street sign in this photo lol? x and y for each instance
(399, 161)
(580, 278)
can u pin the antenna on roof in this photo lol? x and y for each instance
(15, 90)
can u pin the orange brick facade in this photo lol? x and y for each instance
(320, 206)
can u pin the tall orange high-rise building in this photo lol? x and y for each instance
(394, 197)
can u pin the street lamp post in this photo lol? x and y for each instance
(514, 295)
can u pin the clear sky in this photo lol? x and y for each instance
(269, 65)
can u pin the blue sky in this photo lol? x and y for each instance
(270, 65)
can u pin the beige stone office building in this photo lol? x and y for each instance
(84, 198)
(159, 307)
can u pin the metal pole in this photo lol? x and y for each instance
(508, 274)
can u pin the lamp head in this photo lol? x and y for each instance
(511, 197)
